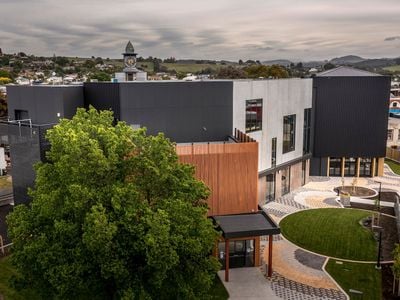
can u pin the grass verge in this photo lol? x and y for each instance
(393, 165)
(355, 276)
(331, 231)
(218, 291)
(6, 290)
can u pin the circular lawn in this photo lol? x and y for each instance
(332, 232)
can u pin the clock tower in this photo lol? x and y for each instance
(130, 63)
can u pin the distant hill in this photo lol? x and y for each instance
(376, 63)
(314, 64)
(347, 60)
(281, 62)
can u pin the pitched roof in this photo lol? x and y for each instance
(344, 71)
(129, 48)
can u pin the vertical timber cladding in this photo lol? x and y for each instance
(230, 171)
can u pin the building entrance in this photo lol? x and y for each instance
(241, 254)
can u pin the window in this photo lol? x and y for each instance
(289, 133)
(350, 167)
(365, 167)
(307, 131)
(253, 115)
(21, 114)
(270, 187)
(273, 153)
(390, 134)
(285, 180)
(335, 166)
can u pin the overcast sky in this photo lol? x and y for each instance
(203, 29)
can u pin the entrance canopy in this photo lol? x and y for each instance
(246, 225)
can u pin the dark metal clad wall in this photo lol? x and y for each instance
(25, 152)
(42, 104)
(351, 116)
(103, 96)
(184, 111)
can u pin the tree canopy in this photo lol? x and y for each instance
(114, 215)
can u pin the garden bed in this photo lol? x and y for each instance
(356, 191)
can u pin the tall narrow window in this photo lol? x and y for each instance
(307, 131)
(253, 115)
(285, 180)
(273, 153)
(270, 187)
(289, 133)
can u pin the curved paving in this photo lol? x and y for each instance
(299, 274)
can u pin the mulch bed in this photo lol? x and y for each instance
(372, 207)
(357, 191)
(387, 283)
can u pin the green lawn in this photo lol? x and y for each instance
(355, 276)
(6, 272)
(393, 68)
(393, 165)
(218, 291)
(189, 68)
(331, 231)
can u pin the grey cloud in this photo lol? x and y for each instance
(392, 38)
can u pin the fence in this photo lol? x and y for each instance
(393, 154)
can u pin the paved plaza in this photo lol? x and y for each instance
(299, 274)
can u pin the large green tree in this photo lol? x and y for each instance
(114, 215)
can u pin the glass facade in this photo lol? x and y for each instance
(285, 181)
(241, 253)
(270, 187)
(365, 167)
(253, 115)
(289, 133)
(335, 166)
(350, 167)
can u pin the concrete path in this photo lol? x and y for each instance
(249, 284)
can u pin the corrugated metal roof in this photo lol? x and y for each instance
(344, 71)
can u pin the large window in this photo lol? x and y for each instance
(365, 167)
(289, 133)
(273, 153)
(350, 164)
(270, 187)
(253, 115)
(335, 166)
(307, 131)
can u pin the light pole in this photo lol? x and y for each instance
(378, 259)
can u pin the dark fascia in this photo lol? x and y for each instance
(284, 165)
(274, 230)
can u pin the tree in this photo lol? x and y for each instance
(329, 66)
(262, 71)
(231, 72)
(3, 105)
(114, 215)
(101, 76)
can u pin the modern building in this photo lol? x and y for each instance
(251, 141)
(393, 133)
(350, 110)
